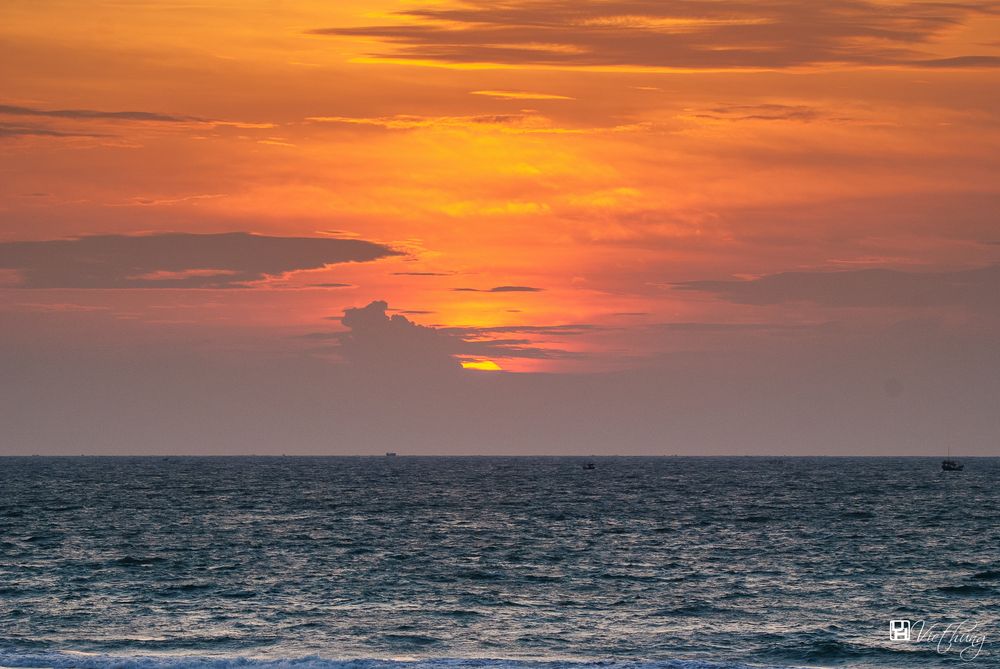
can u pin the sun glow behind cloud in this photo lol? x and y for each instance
(481, 365)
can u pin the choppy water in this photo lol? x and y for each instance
(150, 563)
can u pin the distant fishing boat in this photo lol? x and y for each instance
(390, 454)
(950, 465)
(589, 465)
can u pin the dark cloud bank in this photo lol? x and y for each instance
(175, 260)
(681, 33)
(501, 289)
(375, 340)
(976, 288)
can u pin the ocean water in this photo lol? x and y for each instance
(520, 563)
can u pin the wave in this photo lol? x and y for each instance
(968, 589)
(74, 660)
(988, 575)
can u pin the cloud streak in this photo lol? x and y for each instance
(421, 274)
(960, 62)
(979, 288)
(683, 34)
(761, 112)
(511, 124)
(13, 130)
(521, 95)
(176, 260)
(85, 115)
(91, 114)
(500, 289)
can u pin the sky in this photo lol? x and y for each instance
(522, 227)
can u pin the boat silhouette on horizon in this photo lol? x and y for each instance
(951, 465)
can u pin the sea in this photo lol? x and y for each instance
(498, 563)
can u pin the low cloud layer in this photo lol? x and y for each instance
(905, 390)
(501, 289)
(761, 112)
(568, 330)
(378, 340)
(175, 260)
(92, 114)
(14, 130)
(978, 288)
(687, 34)
(76, 117)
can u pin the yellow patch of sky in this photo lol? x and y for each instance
(521, 95)
(482, 365)
(575, 67)
(669, 23)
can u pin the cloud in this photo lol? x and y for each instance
(761, 112)
(863, 288)
(395, 343)
(421, 274)
(91, 114)
(175, 260)
(960, 62)
(410, 121)
(521, 95)
(528, 123)
(376, 339)
(832, 396)
(167, 201)
(567, 330)
(512, 124)
(710, 328)
(128, 116)
(12, 130)
(683, 34)
(501, 289)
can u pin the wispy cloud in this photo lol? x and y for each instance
(959, 62)
(515, 124)
(91, 114)
(521, 95)
(500, 289)
(978, 288)
(421, 274)
(15, 130)
(125, 116)
(175, 260)
(682, 34)
(761, 112)
(565, 330)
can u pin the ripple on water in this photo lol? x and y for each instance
(798, 561)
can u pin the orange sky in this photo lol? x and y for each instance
(600, 154)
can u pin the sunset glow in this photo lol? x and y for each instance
(535, 186)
